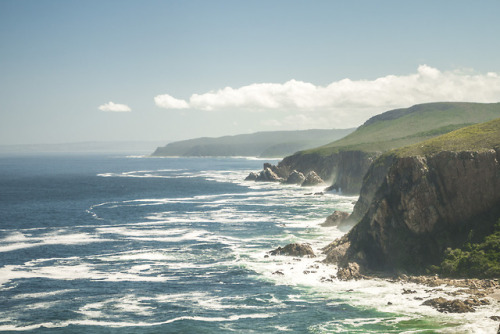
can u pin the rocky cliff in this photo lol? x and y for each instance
(417, 201)
(344, 170)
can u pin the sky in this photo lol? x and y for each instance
(122, 70)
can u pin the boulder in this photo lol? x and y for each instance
(335, 218)
(449, 306)
(312, 179)
(253, 176)
(349, 272)
(295, 178)
(294, 250)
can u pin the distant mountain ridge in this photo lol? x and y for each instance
(259, 144)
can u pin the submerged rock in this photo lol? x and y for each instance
(312, 179)
(294, 250)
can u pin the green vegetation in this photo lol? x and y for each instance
(477, 137)
(481, 260)
(403, 127)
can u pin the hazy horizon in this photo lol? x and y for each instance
(165, 71)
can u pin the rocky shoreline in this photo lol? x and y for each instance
(446, 295)
(473, 292)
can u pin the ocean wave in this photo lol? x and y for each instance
(17, 240)
(122, 324)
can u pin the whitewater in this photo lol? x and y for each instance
(115, 244)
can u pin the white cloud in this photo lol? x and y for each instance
(428, 84)
(345, 102)
(115, 107)
(168, 102)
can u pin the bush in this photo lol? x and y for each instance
(480, 260)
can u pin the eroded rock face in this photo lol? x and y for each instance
(294, 250)
(421, 206)
(312, 179)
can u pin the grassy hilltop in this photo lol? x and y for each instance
(402, 127)
(478, 137)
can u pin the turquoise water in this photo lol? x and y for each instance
(106, 244)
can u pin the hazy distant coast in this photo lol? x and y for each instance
(260, 144)
(119, 147)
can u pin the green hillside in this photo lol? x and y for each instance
(263, 144)
(478, 137)
(402, 127)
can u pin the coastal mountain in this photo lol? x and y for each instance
(432, 205)
(259, 144)
(344, 162)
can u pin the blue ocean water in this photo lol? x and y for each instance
(114, 244)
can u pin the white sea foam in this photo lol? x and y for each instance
(43, 294)
(72, 271)
(18, 240)
(120, 324)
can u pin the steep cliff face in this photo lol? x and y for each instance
(344, 169)
(412, 208)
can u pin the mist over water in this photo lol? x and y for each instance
(114, 244)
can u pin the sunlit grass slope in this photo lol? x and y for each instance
(402, 127)
(478, 137)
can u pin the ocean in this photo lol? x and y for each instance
(128, 244)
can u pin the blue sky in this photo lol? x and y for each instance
(73, 71)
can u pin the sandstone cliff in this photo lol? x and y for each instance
(417, 201)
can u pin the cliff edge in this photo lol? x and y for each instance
(418, 201)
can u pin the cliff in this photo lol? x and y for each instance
(344, 170)
(345, 162)
(419, 200)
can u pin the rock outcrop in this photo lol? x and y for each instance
(268, 175)
(456, 305)
(295, 178)
(253, 176)
(312, 179)
(294, 250)
(345, 169)
(350, 272)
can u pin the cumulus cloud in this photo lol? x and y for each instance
(168, 102)
(115, 107)
(346, 102)
(428, 84)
